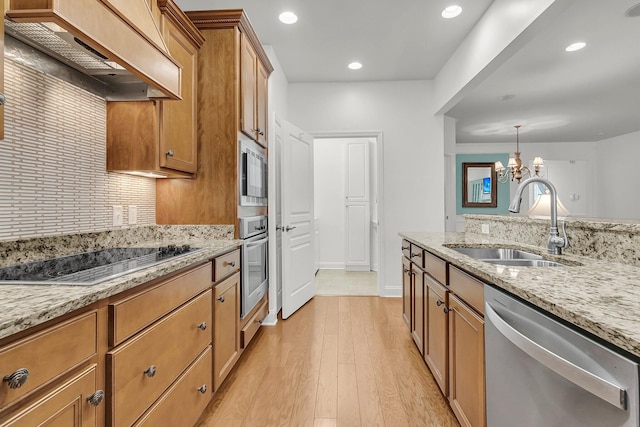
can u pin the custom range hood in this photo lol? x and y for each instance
(114, 41)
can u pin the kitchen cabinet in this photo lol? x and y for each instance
(155, 335)
(212, 197)
(406, 291)
(226, 328)
(449, 304)
(436, 331)
(49, 375)
(160, 137)
(466, 348)
(253, 86)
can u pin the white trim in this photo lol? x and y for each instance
(379, 136)
(330, 265)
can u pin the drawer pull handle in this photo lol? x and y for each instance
(230, 263)
(96, 398)
(404, 248)
(150, 371)
(169, 153)
(202, 389)
(221, 299)
(17, 379)
(259, 321)
(418, 254)
(439, 303)
(202, 326)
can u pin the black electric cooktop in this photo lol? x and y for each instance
(89, 268)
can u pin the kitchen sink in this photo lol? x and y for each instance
(525, 262)
(508, 256)
(497, 253)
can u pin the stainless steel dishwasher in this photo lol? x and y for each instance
(541, 373)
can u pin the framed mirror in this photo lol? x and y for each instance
(479, 186)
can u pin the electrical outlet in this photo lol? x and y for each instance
(133, 215)
(117, 216)
(485, 228)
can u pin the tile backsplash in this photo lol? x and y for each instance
(52, 168)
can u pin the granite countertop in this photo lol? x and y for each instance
(24, 306)
(600, 297)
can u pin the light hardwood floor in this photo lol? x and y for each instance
(338, 361)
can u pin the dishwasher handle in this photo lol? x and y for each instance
(589, 381)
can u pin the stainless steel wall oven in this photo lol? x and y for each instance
(255, 261)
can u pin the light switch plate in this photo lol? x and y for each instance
(133, 215)
(485, 228)
(117, 216)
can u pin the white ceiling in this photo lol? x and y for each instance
(556, 96)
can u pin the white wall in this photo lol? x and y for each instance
(413, 186)
(616, 176)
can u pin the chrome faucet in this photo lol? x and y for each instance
(555, 242)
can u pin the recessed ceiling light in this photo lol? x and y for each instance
(575, 46)
(288, 18)
(451, 11)
(355, 65)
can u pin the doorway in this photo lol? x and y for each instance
(348, 200)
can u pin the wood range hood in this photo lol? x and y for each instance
(123, 31)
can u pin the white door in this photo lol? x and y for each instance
(298, 268)
(357, 207)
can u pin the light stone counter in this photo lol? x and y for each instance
(599, 296)
(24, 306)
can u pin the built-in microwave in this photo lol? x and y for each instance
(253, 174)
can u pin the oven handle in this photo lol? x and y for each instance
(584, 379)
(257, 242)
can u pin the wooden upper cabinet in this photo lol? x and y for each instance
(160, 137)
(253, 87)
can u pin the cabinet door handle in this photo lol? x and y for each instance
(169, 153)
(96, 398)
(230, 263)
(446, 310)
(406, 270)
(17, 379)
(221, 299)
(202, 326)
(439, 303)
(404, 248)
(150, 371)
(419, 254)
(289, 227)
(202, 389)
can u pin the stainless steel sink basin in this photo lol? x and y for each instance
(525, 262)
(497, 253)
(508, 257)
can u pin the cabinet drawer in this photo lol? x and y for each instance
(253, 324)
(131, 315)
(167, 348)
(186, 399)
(468, 288)
(48, 354)
(406, 248)
(417, 256)
(226, 264)
(65, 406)
(436, 267)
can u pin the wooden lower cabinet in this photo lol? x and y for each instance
(417, 311)
(437, 332)
(67, 405)
(406, 291)
(185, 400)
(226, 322)
(466, 364)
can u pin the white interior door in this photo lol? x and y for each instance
(298, 265)
(357, 208)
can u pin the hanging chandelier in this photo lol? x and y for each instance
(516, 170)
